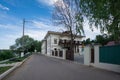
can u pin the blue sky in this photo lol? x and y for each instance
(37, 12)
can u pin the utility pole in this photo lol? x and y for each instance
(23, 27)
(23, 34)
(23, 37)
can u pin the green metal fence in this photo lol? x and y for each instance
(110, 54)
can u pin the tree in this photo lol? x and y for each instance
(27, 43)
(103, 14)
(37, 45)
(67, 14)
(102, 39)
(87, 41)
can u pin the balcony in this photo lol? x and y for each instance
(67, 42)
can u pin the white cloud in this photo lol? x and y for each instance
(37, 35)
(9, 26)
(45, 25)
(4, 8)
(48, 2)
(89, 33)
(40, 28)
(7, 40)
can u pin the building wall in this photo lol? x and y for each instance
(51, 46)
(43, 47)
(48, 45)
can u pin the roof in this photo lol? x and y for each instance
(110, 43)
(65, 33)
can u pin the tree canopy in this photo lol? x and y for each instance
(99, 39)
(26, 43)
(103, 14)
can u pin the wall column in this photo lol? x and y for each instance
(96, 54)
(87, 55)
(64, 53)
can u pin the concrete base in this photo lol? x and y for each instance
(110, 67)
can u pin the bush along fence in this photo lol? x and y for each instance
(14, 59)
(6, 54)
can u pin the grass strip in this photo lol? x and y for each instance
(3, 69)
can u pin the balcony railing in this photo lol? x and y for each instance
(67, 42)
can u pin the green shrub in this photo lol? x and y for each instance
(6, 54)
(3, 69)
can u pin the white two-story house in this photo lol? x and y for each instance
(56, 44)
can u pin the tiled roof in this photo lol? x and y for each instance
(66, 33)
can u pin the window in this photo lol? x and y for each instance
(55, 41)
(60, 53)
(52, 53)
(56, 53)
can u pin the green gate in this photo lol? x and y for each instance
(110, 54)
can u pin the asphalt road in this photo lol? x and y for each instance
(40, 67)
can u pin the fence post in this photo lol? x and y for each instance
(64, 53)
(87, 54)
(96, 54)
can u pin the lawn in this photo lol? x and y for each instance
(3, 69)
(14, 60)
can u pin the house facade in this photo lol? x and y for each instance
(57, 44)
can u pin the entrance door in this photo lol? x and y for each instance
(69, 55)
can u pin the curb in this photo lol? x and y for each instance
(3, 75)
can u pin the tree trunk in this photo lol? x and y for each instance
(71, 47)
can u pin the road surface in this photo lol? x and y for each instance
(40, 67)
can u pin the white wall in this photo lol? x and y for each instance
(86, 52)
(48, 45)
(52, 42)
(43, 47)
